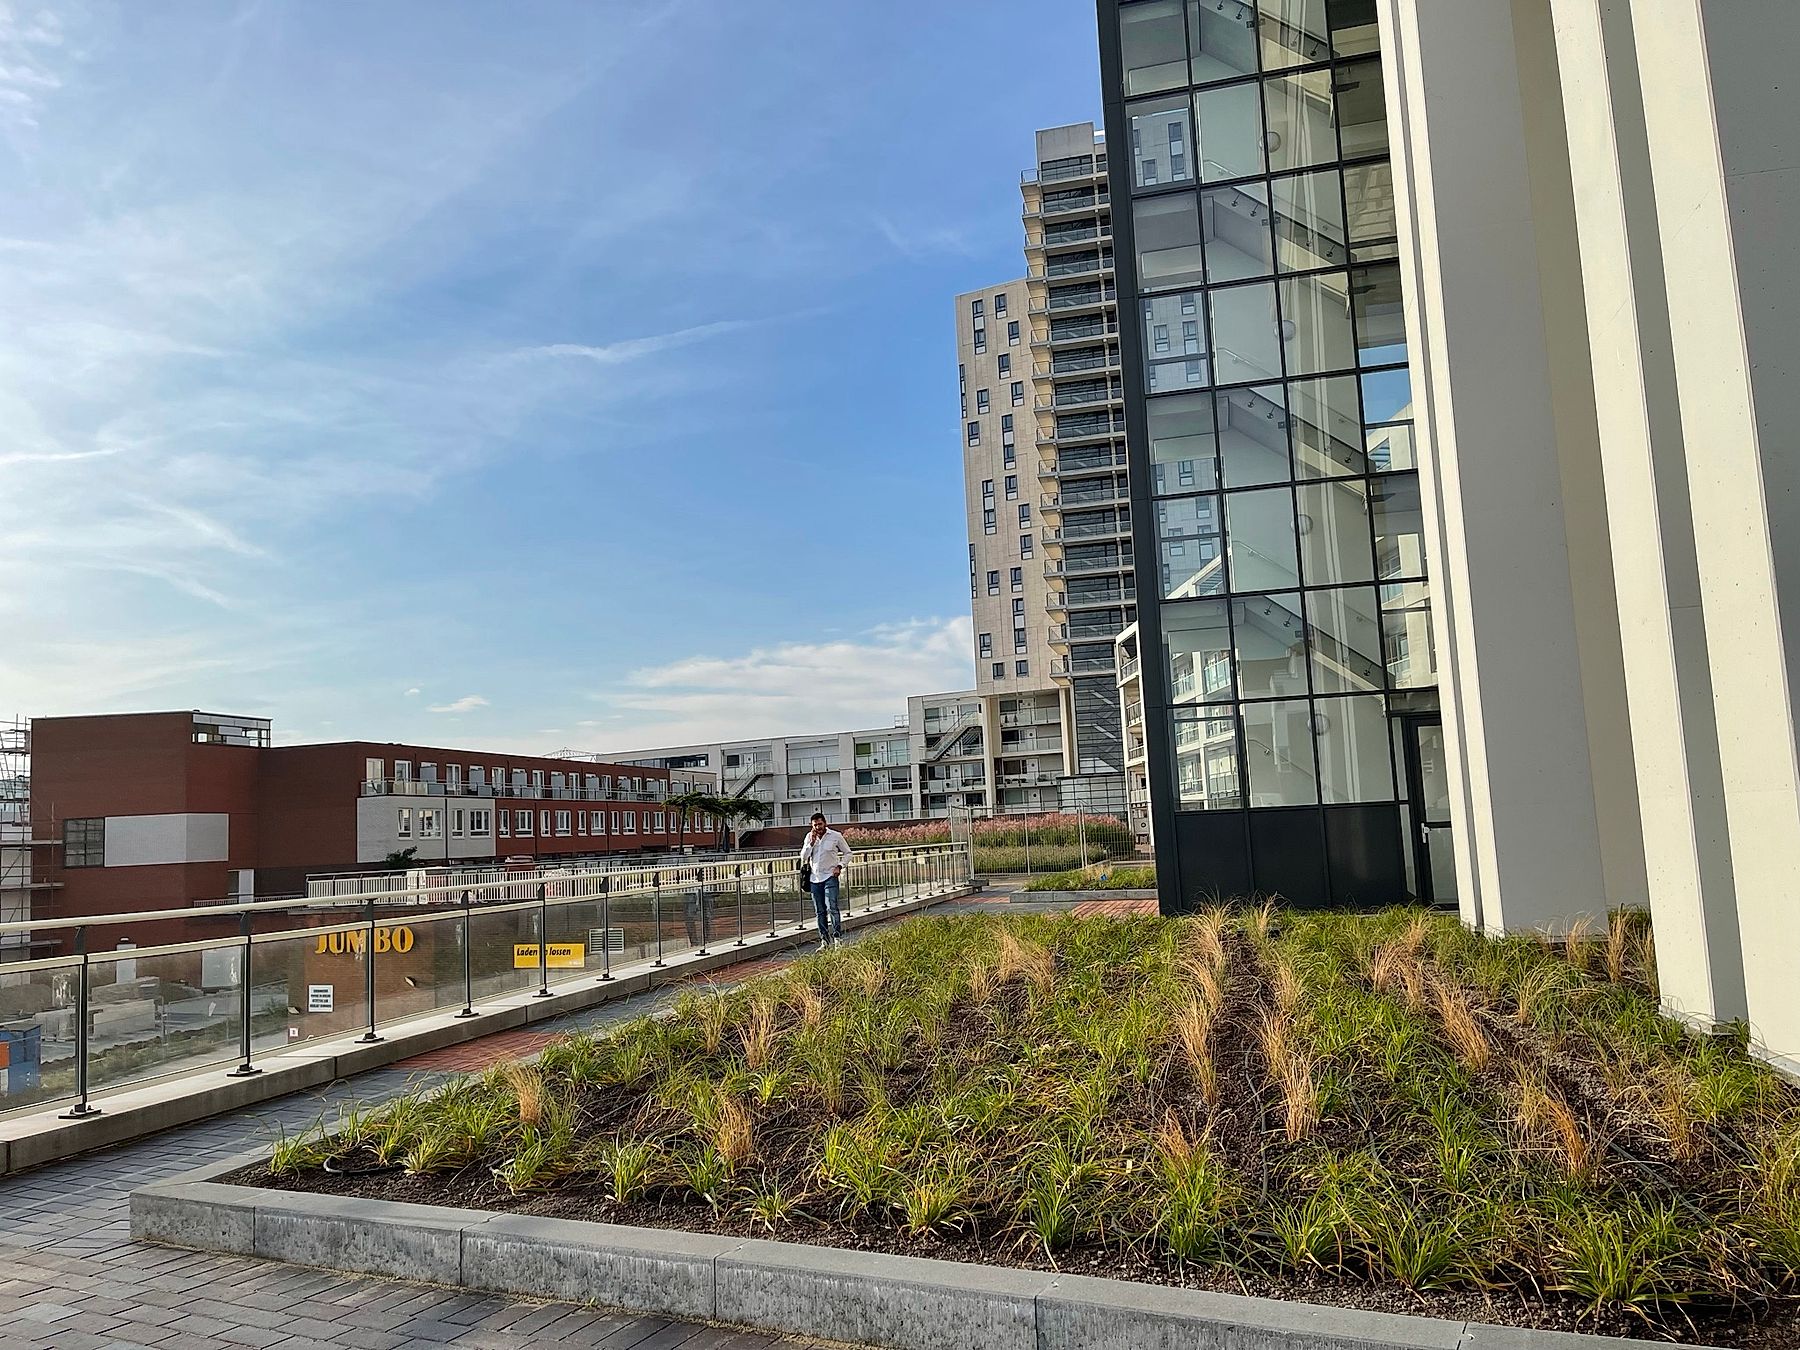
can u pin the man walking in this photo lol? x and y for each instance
(823, 857)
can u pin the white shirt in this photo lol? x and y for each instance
(824, 853)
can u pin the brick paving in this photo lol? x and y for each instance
(72, 1278)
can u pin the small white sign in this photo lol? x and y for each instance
(319, 997)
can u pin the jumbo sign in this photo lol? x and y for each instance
(397, 939)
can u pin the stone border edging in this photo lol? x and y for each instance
(35, 1138)
(902, 1302)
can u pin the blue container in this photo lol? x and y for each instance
(24, 1052)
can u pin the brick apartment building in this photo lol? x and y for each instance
(153, 811)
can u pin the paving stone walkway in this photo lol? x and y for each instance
(72, 1278)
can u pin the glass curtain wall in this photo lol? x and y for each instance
(1276, 396)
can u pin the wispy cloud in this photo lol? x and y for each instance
(860, 680)
(632, 349)
(922, 241)
(30, 45)
(413, 692)
(467, 703)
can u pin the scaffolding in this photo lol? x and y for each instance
(17, 842)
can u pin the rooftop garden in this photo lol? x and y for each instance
(1383, 1111)
(1051, 841)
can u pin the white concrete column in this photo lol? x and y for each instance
(1491, 324)
(1665, 655)
(1724, 142)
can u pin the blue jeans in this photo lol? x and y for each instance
(825, 903)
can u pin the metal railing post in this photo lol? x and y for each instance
(369, 1037)
(468, 946)
(245, 1069)
(543, 937)
(769, 873)
(700, 908)
(81, 1109)
(739, 883)
(656, 912)
(606, 928)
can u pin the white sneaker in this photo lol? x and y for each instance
(824, 943)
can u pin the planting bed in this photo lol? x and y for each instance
(1378, 1111)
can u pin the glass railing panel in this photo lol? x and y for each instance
(159, 1014)
(37, 1028)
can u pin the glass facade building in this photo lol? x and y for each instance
(1289, 683)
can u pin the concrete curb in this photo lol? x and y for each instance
(903, 1302)
(1065, 897)
(39, 1137)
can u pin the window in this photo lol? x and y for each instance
(457, 821)
(403, 823)
(1012, 487)
(1021, 668)
(374, 770)
(1006, 427)
(563, 826)
(1018, 640)
(980, 341)
(981, 400)
(1019, 607)
(581, 822)
(999, 304)
(1009, 456)
(1012, 333)
(543, 824)
(1018, 578)
(1005, 365)
(1024, 513)
(480, 821)
(999, 670)
(631, 822)
(597, 823)
(505, 821)
(84, 842)
(994, 582)
(537, 780)
(403, 771)
(1018, 393)
(987, 487)
(431, 824)
(987, 522)
(1024, 546)
(522, 824)
(986, 643)
(974, 433)
(453, 777)
(659, 822)
(976, 309)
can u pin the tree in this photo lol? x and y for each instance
(401, 860)
(684, 806)
(740, 809)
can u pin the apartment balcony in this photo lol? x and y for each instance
(1075, 399)
(1106, 359)
(1081, 665)
(1098, 459)
(1036, 717)
(1087, 433)
(1111, 598)
(1099, 529)
(1083, 493)
(1028, 779)
(1050, 242)
(1036, 208)
(1129, 672)
(1057, 602)
(1053, 340)
(1062, 634)
(1078, 302)
(1084, 566)
(1063, 265)
(1058, 635)
(416, 787)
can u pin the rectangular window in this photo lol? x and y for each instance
(987, 522)
(479, 822)
(987, 644)
(1024, 546)
(505, 820)
(1012, 487)
(1009, 456)
(1024, 513)
(987, 487)
(563, 824)
(522, 824)
(980, 341)
(976, 309)
(994, 582)
(1006, 427)
(974, 433)
(1018, 578)
(430, 823)
(581, 819)
(1000, 304)
(403, 823)
(631, 822)
(1012, 333)
(1018, 640)
(1019, 607)
(1018, 394)
(1021, 668)
(999, 670)
(1005, 367)
(659, 823)
(543, 824)
(981, 400)
(537, 781)
(84, 842)
(457, 820)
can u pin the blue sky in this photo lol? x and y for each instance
(525, 376)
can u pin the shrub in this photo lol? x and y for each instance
(1097, 879)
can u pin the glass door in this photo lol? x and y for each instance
(1428, 779)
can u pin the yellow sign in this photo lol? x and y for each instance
(352, 943)
(563, 955)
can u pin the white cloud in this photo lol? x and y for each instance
(467, 703)
(413, 692)
(793, 688)
(632, 349)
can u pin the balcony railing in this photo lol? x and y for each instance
(1128, 670)
(416, 787)
(289, 975)
(1081, 665)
